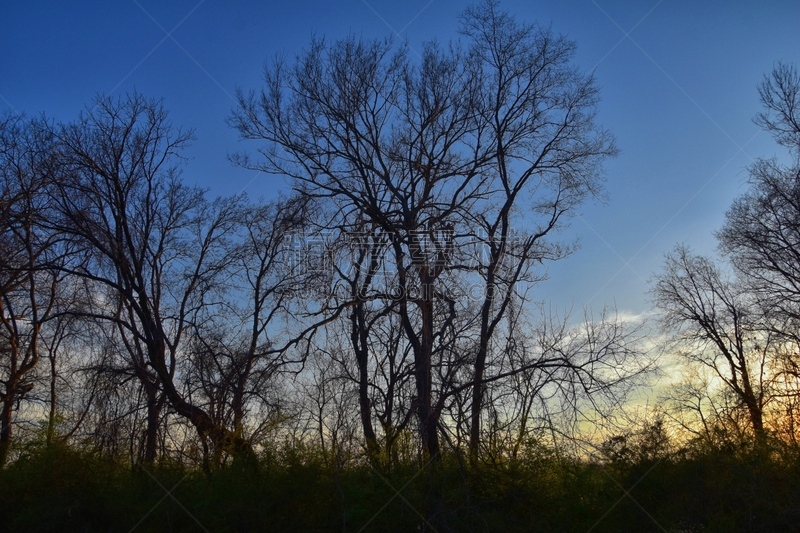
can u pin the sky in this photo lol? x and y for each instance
(678, 82)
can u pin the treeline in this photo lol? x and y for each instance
(381, 307)
(381, 316)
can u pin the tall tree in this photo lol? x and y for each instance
(761, 235)
(240, 341)
(744, 328)
(433, 154)
(718, 327)
(30, 282)
(538, 117)
(153, 243)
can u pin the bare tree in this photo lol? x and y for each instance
(30, 282)
(359, 135)
(717, 324)
(538, 117)
(744, 329)
(762, 228)
(153, 243)
(780, 95)
(761, 234)
(432, 155)
(243, 339)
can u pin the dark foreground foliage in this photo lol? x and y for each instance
(297, 489)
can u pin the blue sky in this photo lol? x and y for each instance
(678, 81)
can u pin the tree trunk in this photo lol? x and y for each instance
(220, 438)
(483, 350)
(51, 415)
(477, 402)
(153, 422)
(756, 419)
(373, 449)
(6, 431)
(477, 380)
(359, 336)
(754, 408)
(428, 418)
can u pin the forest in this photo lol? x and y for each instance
(367, 350)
